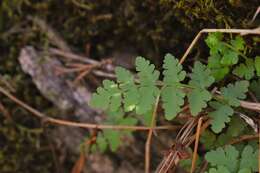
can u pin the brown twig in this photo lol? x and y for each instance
(243, 138)
(194, 157)
(178, 149)
(149, 137)
(79, 165)
(52, 35)
(203, 128)
(72, 56)
(45, 118)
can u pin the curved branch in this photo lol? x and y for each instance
(45, 118)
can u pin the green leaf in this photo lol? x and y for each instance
(214, 42)
(249, 159)
(101, 143)
(147, 117)
(238, 43)
(107, 97)
(198, 99)
(245, 170)
(219, 73)
(200, 80)
(220, 169)
(229, 58)
(186, 164)
(226, 156)
(208, 139)
(172, 94)
(235, 92)
(201, 76)
(257, 65)
(245, 70)
(223, 139)
(220, 116)
(129, 88)
(129, 121)
(214, 38)
(113, 138)
(148, 90)
(218, 70)
(236, 127)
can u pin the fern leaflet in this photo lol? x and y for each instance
(172, 94)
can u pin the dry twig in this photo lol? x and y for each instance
(243, 138)
(194, 158)
(79, 165)
(178, 150)
(52, 35)
(149, 137)
(45, 118)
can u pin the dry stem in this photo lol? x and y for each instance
(194, 157)
(45, 118)
(149, 137)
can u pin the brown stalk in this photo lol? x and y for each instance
(79, 165)
(45, 118)
(72, 56)
(149, 137)
(194, 158)
(203, 128)
(243, 138)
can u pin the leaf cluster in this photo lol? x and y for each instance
(229, 160)
(225, 56)
(137, 96)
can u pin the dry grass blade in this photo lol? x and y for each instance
(194, 158)
(178, 150)
(255, 15)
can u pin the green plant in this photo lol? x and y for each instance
(130, 99)
(229, 159)
(224, 57)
